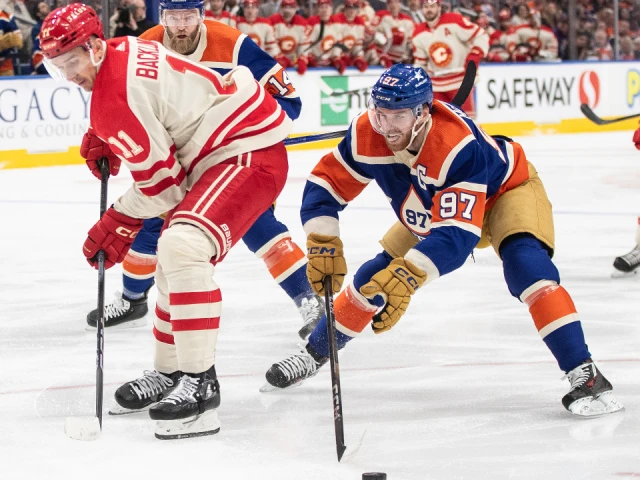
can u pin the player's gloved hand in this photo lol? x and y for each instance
(360, 63)
(396, 283)
(340, 64)
(398, 35)
(113, 233)
(326, 258)
(284, 61)
(93, 149)
(385, 61)
(475, 55)
(301, 65)
(312, 60)
(636, 138)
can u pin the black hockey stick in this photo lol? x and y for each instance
(461, 96)
(590, 114)
(104, 171)
(90, 428)
(336, 392)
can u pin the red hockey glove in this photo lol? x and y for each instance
(636, 138)
(113, 233)
(386, 61)
(93, 149)
(312, 60)
(302, 65)
(360, 63)
(397, 35)
(475, 55)
(284, 61)
(340, 64)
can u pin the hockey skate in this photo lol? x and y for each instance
(121, 313)
(190, 410)
(293, 370)
(627, 265)
(591, 394)
(311, 310)
(144, 392)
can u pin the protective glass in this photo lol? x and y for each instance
(69, 64)
(181, 18)
(391, 122)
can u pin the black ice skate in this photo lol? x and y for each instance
(591, 393)
(190, 409)
(143, 392)
(121, 313)
(293, 369)
(627, 265)
(311, 310)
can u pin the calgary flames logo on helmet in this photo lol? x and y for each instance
(441, 54)
(287, 44)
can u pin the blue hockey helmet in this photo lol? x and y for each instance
(402, 86)
(182, 5)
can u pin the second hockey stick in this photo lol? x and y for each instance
(461, 96)
(591, 115)
(90, 428)
(336, 392)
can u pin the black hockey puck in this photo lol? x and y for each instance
(374, 476)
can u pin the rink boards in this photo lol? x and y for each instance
(42, 121)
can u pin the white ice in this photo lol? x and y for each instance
(462, 388)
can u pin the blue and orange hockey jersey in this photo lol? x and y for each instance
(222, 48)
(440, 194)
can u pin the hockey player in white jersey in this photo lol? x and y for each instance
(258, 29)
(352, 34)
(292, 34)
(196, 163)
(325, 33)
(216, 11)
(443, 46)
(396, 29)
(542, 42)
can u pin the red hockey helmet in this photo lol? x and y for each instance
(251, 2)
(289, 3)
(325, 2)
(67, 28)
(351, 3)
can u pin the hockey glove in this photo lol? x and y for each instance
(113, 233)
(284, 61)
(302, 65)
(396, 284)
(326, 257)
(360, 63)
(340, 64)
(93, 149)
(636, 138)
(475, 56)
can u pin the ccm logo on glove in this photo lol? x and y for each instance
(411, 280)
(125, 232)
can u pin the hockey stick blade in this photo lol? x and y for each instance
(591, 115)
(351, 450)
(82, 428)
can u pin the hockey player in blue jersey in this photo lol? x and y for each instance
(184, 30)
(453, 188)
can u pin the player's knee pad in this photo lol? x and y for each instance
(183, 246)
(368, 270)
(526, 261)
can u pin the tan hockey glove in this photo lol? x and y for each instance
(10, 40)
(396, 283)
(326, 257)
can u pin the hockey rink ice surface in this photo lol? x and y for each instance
(462, 388)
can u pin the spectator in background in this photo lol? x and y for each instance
(214, 10)
(584, 46)
(10, 43)
(233, 7)
(414, 10)
(268, 8)
(626, 48)
(636, 45)
(602, 46)
(132, 19)
(40, 11)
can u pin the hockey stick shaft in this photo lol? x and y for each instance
(104, 171)
(461, 96)
(336, 392)
(591, 115)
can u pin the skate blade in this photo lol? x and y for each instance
(267, 387)
(632, 274)
(198, 426)
(140, 322)
(603, 404)
(118, 410)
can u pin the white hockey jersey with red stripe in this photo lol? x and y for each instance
(292, 38)
(224, 17)
(542, 39)
(443, 49)
(351, 34)
(398, 32)
(260, 32)
(331, 34)
(170, 120)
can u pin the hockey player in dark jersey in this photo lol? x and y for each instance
(453, 188)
